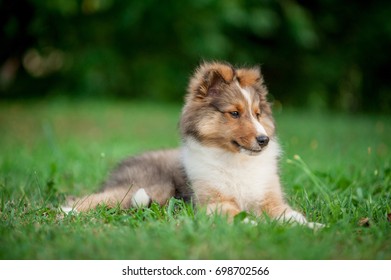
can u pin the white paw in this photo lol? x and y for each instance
(294, 217)
(140, 199)
(68, 210)
(315, 226)
(249, 221)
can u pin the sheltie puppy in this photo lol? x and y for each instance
(228, 161)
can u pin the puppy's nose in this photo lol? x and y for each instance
(262, 140)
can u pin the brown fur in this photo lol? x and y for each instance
(249, 77)
(274, 205)
(216, 203)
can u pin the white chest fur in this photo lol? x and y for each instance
(243, 177)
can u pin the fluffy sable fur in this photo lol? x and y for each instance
(228, 161)
(137, 181)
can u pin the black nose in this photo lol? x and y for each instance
(262, 140)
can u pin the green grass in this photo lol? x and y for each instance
(335, 168)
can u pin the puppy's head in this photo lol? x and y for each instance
(227, 108)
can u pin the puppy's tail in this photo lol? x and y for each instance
(125, 198)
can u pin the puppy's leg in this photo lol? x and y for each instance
(124, 197)
(275, 206)
(223, 208)
(216, 203)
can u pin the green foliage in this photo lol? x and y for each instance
(322, 54)
(335, 169)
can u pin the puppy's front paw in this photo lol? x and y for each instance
(249, 221)
(294, 217)
(68, 210)
(315, 226)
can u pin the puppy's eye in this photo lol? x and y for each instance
(235, 114)
(258, 114)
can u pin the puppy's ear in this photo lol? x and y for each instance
(210, 84)
(252, 77)
(209, 77)
(248, 77)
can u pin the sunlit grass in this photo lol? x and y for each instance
(335, 169)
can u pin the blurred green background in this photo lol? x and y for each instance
(324, 54)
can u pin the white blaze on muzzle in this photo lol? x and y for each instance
(258, 126)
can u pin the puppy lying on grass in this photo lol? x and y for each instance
(228, 161)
